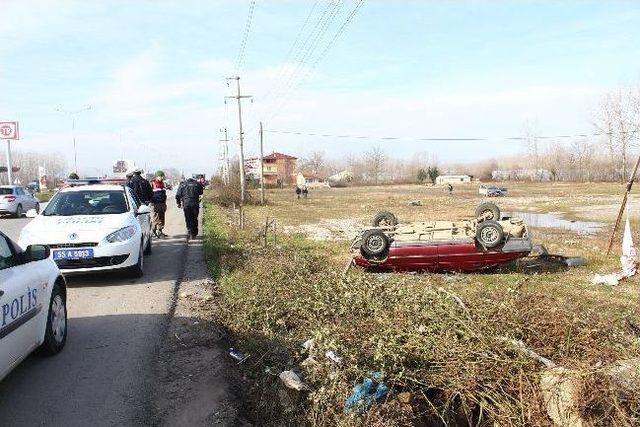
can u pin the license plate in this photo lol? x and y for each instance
(72, 254)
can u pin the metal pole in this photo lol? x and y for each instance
(9, 163)
(623, 205)
(261, 165)
(241, 144)
(75, 151)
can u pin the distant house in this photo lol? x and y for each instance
(278, 169)
(453, 179)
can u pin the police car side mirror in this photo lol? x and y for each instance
(32, 213)
(37, 253)
(143, 209)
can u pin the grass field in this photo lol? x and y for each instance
(441, 341)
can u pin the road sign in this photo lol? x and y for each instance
(9, 130)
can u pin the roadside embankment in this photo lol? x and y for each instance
(482, 349)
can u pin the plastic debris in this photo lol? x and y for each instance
(370, 390)
(238, 355)
(331, 355)
(628, 260)
(292, 380)
(308, 344)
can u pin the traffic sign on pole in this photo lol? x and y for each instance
(9, 130)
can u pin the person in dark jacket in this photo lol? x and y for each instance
(188, 198)
(140, 187)
(159, 204)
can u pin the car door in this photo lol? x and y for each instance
(19, 306)
(143, 220)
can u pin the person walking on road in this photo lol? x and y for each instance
(188, 198)
(159, 204)
(140, 187)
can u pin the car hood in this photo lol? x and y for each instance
(69, 229)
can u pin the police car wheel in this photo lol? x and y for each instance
(138, 269)
(55, 335)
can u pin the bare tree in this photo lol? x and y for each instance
(315, 163)
(531, 132)
(375, 162)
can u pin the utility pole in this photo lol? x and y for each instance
(9, 163)
(239, 97)
(225, 158)
(261, 165)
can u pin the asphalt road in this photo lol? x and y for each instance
(104, 374)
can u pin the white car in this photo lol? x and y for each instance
(93, 228)
(33, 304)
(16, 200)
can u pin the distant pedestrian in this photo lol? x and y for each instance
(450, 187)
(140, 187)
(188, 198)
(305, 191)
(159, 204)
(298, 191)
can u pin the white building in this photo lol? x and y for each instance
(453, 179)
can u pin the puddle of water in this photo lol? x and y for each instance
(556, 221)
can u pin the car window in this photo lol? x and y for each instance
(19, 191)
(87, 202)
(135, 201)
(6, 191)
(7, 257)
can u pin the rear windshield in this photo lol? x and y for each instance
(89, 202)
(6, 191)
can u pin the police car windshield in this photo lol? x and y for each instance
(87, 202)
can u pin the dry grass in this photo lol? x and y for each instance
(452, 361)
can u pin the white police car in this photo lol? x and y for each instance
(93, 228)
(33, 304)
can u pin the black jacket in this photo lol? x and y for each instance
(188, 194)
(141, 188)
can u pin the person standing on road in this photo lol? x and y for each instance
(159, 204)
(140, 187)
(188, 198)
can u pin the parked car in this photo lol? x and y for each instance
(16, 200)
(492, 191)
(93, 227)
(465, 245)
(33, 304)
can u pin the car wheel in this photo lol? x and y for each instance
(138, 269)
(18, 213)
(488, 211)
(384, 219)
(489, 234)
(374, 244)
(55, 335)
(147, 249)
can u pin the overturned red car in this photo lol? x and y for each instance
(484, 242)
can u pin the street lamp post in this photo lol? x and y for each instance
(73, 115)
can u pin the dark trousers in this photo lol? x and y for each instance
(191, 218)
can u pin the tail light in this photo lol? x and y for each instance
(10, 198)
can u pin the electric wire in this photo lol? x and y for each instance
(245, 38)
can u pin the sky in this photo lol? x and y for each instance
(154, 74)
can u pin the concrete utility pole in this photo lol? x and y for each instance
(261, 165)
(239, 97)
(225, 158)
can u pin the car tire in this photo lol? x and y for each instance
(488, 211)
(375, 244)
(384, 219)
(489, 234)
(137, 270)
(148, 249)
(18, 213)
(55, 335)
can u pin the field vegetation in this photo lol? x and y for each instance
(454, 349)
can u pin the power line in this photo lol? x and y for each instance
(445, 139)
(245, 37)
